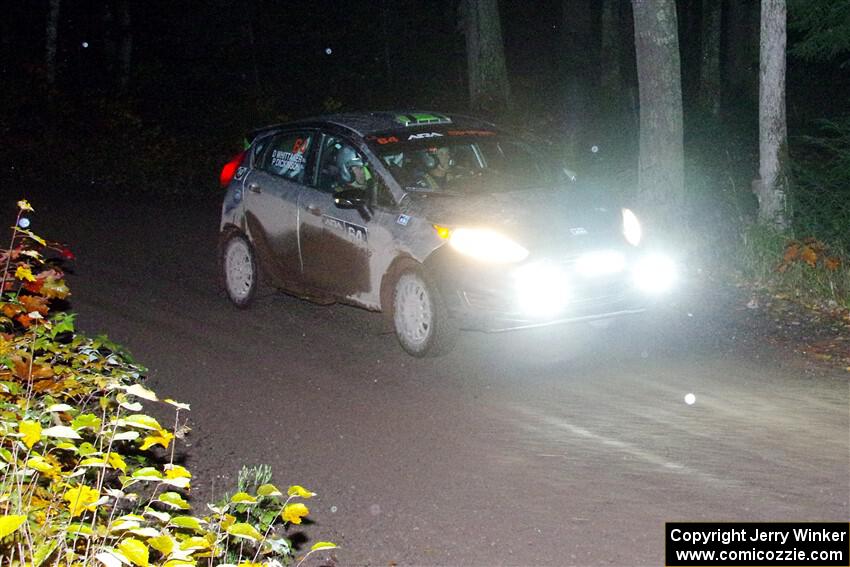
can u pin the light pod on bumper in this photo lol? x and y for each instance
(655, 273)
(542, 289)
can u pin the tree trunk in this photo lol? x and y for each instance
(52, 34)
(126, 44)
(661, 163)
(709, 83)
(489, 91)
(774, 168)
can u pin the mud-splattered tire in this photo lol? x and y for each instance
(240, 274)
(420, 319)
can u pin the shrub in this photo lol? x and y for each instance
(808, 268)
(85, 476)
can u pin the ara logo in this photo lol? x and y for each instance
(424, 135)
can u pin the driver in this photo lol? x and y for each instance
(352, 170)
(440, 167)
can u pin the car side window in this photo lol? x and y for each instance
(287, 155)
(342, 166)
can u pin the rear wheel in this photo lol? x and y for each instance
(239, 267)
(421, 321)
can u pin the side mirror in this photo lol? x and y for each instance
(354, 199)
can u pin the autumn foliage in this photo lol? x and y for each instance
(86, 476)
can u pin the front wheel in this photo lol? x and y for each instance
(420, 318)
(239, 270)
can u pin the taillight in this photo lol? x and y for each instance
(229, 169)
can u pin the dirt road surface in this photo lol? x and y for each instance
(568, 446)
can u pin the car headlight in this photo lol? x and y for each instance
(484, 244)
(631, 227)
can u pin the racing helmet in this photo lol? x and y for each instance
(347, 157)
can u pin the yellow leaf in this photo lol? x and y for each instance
(176, 471)
(142, 392)
(296, 490)
(163, 544)
(24, 205)
(42, 466)
(116, 461)
(177, 404)
(81, 498)
(162, 438)
(323, 545)
(10, 524)
(294, 512)
(135, 551)
(31, 431)
(24, 273)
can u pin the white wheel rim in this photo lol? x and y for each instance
(239, 269)
(413, 315)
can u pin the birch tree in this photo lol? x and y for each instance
(661, 162)
(774, 168)
(489, 90)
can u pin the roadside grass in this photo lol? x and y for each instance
(88, 478)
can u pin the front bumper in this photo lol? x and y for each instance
(540, 292)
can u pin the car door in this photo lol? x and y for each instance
(271, 197)
(339, 245)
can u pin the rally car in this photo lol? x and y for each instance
(443, 222)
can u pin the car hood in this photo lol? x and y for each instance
(536, 218)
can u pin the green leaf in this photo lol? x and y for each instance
(44, 551)
(242, 498)
(141, 421)
(86, 420)
(79, 530)
(87, 449)
(10, 524)
(268, 490)
(61, 431)
(244, 531)
(174, 500)
(147, 473)
(62, 323)
(187, 522)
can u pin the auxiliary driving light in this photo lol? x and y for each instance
(655, 273)
(542, 289)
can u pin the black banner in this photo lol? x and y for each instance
(762, 544)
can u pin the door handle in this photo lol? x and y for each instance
(254, 188)
(314, 210)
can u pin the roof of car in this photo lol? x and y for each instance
(366, 123)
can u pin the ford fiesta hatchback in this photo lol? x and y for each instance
(442, 222)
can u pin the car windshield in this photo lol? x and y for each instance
(468, 164)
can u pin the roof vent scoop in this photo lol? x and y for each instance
(420, 118)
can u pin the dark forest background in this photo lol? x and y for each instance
(150, 98)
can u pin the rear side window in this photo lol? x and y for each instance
(287, 155)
